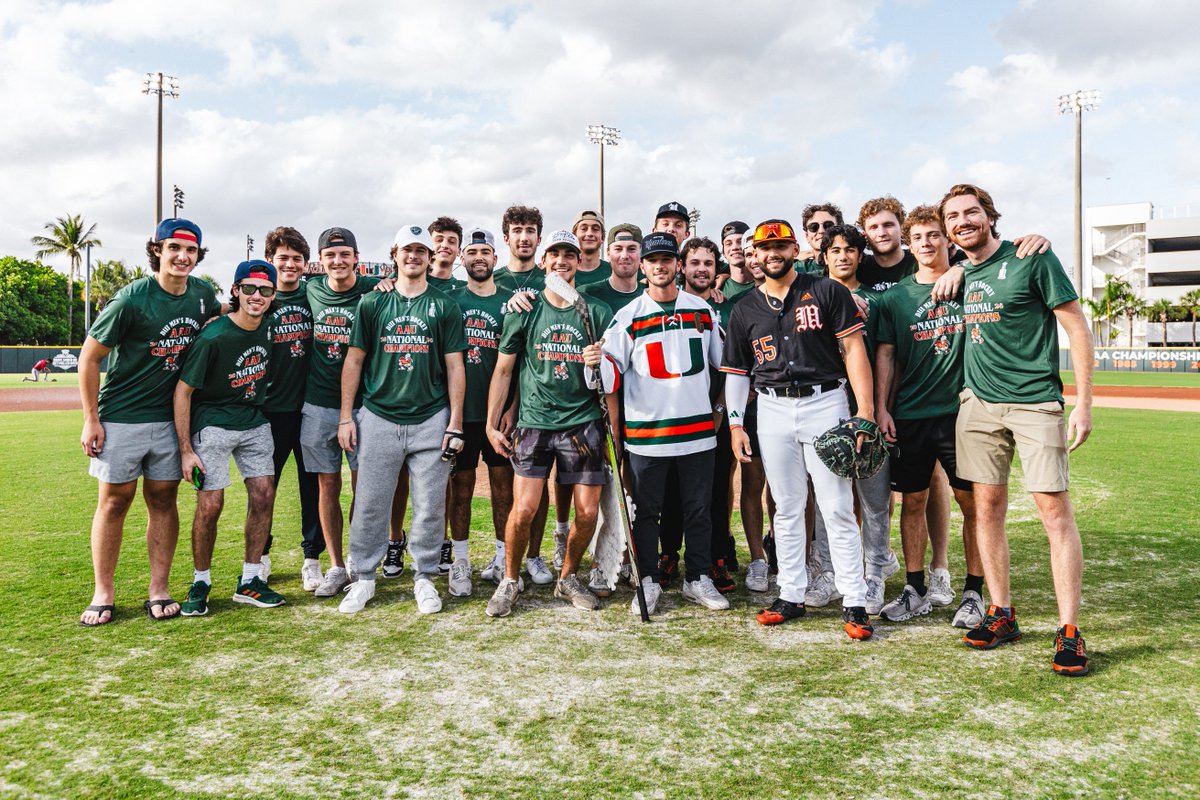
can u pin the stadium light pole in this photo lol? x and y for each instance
(249, 246)
(177, 201)
(603, 135)
(87, 293)
(1076, 103)
(694, 221)
(163, 86)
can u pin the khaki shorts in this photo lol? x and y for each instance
(986, 434)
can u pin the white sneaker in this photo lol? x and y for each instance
(560, 549)
(355, 599)
(265, 563)
(460, 578)
(908, 605)
(940, 593)
(333, 582)
(970, 610)
(822, 591)
(891, 567)
(598, 583)
(428, 601)
(494, 571)
(652, 591)
(703, 591)
(874, 595)
(756, 576)
(310, 574)
(539, 573)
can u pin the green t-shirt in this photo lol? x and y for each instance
(149, 331)
(598, 275)
(869, 327)
(483, 321)
(227, 367)
(445, 285)
(333, 316)
(549, 344)
(880, 279)
(605, 293)
(511, 282)
(733, 289)
(810, 266)
(1012, 334)
(929, 338)
(406, 340)
(291, 346)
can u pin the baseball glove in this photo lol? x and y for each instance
(836, 449)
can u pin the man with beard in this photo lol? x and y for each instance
(816, 219)
(588, 228)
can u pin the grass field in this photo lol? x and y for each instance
(302, 702)
(8, 381)
(1138, 378)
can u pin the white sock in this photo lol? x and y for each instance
(310, 561)
(250, 571)
(460, 550)
(562, 528)
(202, 575)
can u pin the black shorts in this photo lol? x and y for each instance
(476, 444)
(579, 453)
(750, 423)
(920, 442)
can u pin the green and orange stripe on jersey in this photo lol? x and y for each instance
(670, 430)
(700, 319)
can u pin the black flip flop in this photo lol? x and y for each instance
(160, 604)
(112, 614)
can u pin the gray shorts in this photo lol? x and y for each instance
(319, 440)
(253, 450)
(134, 449)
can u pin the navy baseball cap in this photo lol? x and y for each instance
(337, 237)
(255, 269)
(656, 243)
(175, 228)
(673, 210)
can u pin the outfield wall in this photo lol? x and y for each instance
(1141, 359)
(22, 359)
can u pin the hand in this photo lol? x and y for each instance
(591, 354)
(508, 420)
(862, 436)
(887, 425)
(718, 296)
(521, 301)
(385, 285)
(948, 285)
(1030, 245)
(741, 444)
(92, 438)
(864, 308)
(1079, 426)
(189, 460)
(500, 442)
(348, 436)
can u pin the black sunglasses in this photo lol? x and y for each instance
(247, 289)
(813, 227)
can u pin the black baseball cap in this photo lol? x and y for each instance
(735, 227)
(656, 243)
(337, 237)
(673, 210)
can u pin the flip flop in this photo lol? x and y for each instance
(112, 614)
(160, 604)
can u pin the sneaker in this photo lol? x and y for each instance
(196, 604)
(769, 548)
(460, 578)
(994, 630)
(780, 611)
(503, 599)
(571, 590)
(625, 574)
(856, 623)
(598, 583)
(652, 592)
(720, 577)
(539, 573)
(668, 569)
(255, 592)
(940, 593)
(447, 557)
(356, 599)
(822, 591)
(265, 563)
(908, 605)
(560, 549)
(494, 571)
(334, 581)
(393, 562)
(703, 591)
(970, 610)
(756, 575)
(310, 574)
(874, 595)
(891, 567)
(1070, 659)
(428, 601)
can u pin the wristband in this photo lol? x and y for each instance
(346, 422)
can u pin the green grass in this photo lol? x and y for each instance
(1138, 378)
(303, 702)
(8, 381)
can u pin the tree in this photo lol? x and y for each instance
(1110, 305)
(1159, 311)
(1131, 308)
(211, 281)
(1190, 303)
(69, 237)
(33, 302)
(108, 278)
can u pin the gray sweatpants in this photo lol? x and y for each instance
(874, 502)
(383, 448)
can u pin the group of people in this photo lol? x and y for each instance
(704, 359)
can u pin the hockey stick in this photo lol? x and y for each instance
(568, 292)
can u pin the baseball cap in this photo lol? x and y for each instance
(748, 239)
(673, 210)
(626, 230)
(774, 230)
(337, 237)
(176, 228)
(657, 243)
(736, 227)
(255, 269)
(561, 238)
(478, 236)
(413, 234)
(582, 215)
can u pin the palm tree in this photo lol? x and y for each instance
(1159, 310)
(1132, 307)
(211, 281)
(1110, 305)
(108, 278)
(69, 235)
(1191, 304)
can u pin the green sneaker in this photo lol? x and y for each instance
(257, 593)
(196, 604)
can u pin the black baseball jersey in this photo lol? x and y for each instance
(796, 345)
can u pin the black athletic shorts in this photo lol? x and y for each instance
(579, 453)
(750, 423)
(919, 443)
(476, 444)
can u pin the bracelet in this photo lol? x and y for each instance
(346, 422)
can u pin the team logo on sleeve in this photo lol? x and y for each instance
(560, 372)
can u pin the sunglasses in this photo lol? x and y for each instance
(813, 227)
(774, 230)
(247, 289)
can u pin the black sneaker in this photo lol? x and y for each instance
(995, 629)
(447, 559)
(668, 568)
(856, 623)
(721, 578)
(1070, 657)
(393, 562)
(769, 548)
(780, 611)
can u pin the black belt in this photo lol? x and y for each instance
(800, 391)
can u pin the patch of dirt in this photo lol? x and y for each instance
(51, 398)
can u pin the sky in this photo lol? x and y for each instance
(371, 115)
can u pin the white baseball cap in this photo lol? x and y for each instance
(413, 234)
(561, 237)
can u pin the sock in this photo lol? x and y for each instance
(460, 549)
(202, 575)
(973, 583)
(1008, 612)
(250, 571)
(309, 561)
(561, 529)
(917, 581)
